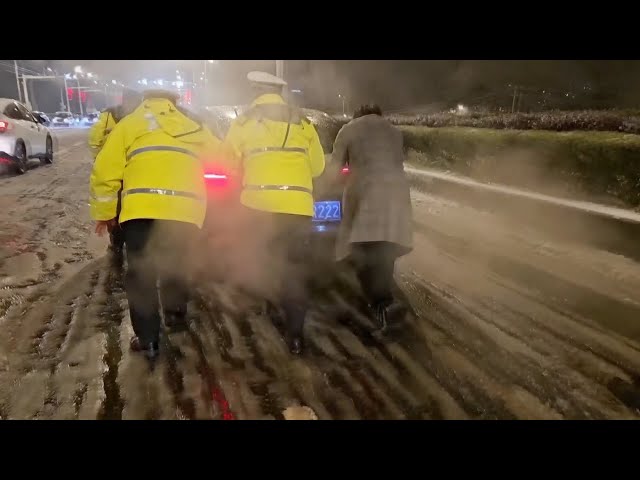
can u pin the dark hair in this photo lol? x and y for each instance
(368, 109)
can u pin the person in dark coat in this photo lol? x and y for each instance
(377, 220)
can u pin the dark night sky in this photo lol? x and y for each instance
(394, 84)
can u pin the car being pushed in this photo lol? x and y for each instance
(62, 119)
(224, 191)
(22, 136)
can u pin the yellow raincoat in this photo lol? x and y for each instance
(280, 154)
(157, 152)
(100, 130)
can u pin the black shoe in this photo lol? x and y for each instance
(381, 317)
(296, 345)
(150, 350)
(175, 320)
(117, 255)
(116, 249)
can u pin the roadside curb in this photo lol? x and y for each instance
(613, 229)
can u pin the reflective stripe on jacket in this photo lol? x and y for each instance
(279, 153)
(157, 153)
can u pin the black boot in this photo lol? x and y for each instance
(295, 344)
(294, 316)
(150, 350)
(275, 315)
(380, 312)
(175, 320)
(117, 256)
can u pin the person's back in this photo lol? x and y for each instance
(377, 223)
(156, 153)
(100, 130)
(158, 130)
(281, 154)
(375, 146)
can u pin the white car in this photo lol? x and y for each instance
(90, 118)
(62, 119)
(44, 119)
(22, 136)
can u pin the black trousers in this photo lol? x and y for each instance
(157, 250)
(374, 263)
(116, 235)
(285, 245)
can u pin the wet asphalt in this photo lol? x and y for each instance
(503, 322)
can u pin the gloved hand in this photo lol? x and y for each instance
(104, 226)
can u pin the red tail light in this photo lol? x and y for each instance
(215, 176)
(345, 170)
(4, 126)
(217, 182)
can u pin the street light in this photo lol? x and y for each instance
(78, 69)
(344, 99)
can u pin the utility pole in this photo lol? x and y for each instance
(280, 74)
(15, 63)
(519, 100)
(205, 97)
(66, 93)
(80, 98)
(515, 94)
(26, 92)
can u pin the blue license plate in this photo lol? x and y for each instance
(327, 211)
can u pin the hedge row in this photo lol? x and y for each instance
(602, 166)
(559, 121)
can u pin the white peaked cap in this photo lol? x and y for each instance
(265, 78)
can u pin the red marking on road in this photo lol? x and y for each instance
(223, 404)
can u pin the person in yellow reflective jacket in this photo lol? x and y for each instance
(97, 136)
(108, 119)
(102, 128)
(156, 153)
(279, 153)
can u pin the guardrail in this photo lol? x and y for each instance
(614, 229)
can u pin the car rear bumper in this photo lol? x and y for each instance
(7, 158)
(7, 145)
(325, 228)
